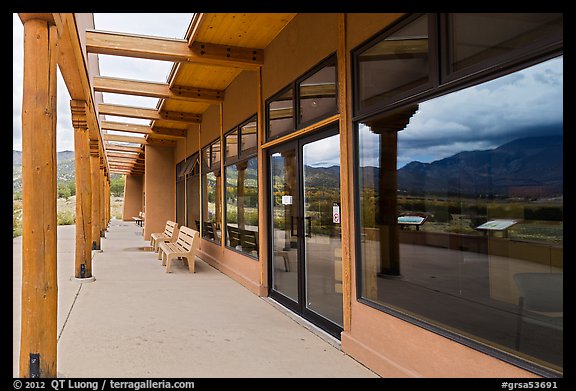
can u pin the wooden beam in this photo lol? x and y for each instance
(195, 24)
(160, 142)
(125, 139)
(114, 147)
(156, 90)
(94, 172)
(83, 254)
(176, 50)
(39, 303)
(134, 156)
(144, 129)
(346, 185)
(145, 113)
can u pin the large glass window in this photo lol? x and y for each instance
(280, 112)
(313, 96)
(460, 223)
(317, 94)
(396, 65)
(241, 175)
(211, 192)
(211, 201)
(507, 34)
(193, 193)
(180, 193)
(242, 206)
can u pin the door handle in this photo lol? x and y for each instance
(292, 226)
(309, 226)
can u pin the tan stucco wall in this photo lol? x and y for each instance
(133, 187)
(160, 188)
(187, 146)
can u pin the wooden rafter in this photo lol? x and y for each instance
(145, 113)
(156, 90)
(115, 147)
(157, 132)
(176, 50)
(125, 139)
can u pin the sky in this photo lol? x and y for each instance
(159, 24)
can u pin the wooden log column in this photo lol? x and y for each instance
(102, 197)
(83, 254)
(94, 175)
(38, 337)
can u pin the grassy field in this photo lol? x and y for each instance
(66, 212)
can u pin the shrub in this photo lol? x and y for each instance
(66, 218)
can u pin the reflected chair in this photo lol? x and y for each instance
(540, 301)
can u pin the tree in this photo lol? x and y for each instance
(117, 186)
(63, 191)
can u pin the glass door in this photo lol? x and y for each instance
(322, 232)
(305, 257)
(284, 219)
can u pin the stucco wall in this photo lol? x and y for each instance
(160, 189)
(133, 187)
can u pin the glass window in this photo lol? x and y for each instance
(507, 33)
(193, 201)
(242, 206)
(215, 154)
(394, 66)
(281, 114)
(461, 212)
(249, 132)
(180, 194)
(180, 200)
(231, 145)
(317, 95)
(212, 204)
(206, 157)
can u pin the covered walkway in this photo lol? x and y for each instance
(136, 320)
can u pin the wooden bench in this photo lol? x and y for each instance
(169, 235)
(186, 246)
(245, 238)
(139, 219)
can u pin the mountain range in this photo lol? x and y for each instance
(65, 169)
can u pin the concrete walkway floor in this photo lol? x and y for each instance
(136, 320)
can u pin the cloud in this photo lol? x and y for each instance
(522, 104)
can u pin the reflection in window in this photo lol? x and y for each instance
(317, 95)
(461, 212)
(242, 206)
(193, 194)
(249, 133)
(180, 192)
(507, 32)
(395, 65)
(231, 145)
(281, 115)
(212, 205)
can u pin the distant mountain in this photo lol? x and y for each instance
(65, 169)
(531, 165)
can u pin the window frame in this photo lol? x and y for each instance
(498, 67)
(207, 169)
(241, 156)
(331, 59)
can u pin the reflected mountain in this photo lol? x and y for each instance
(525, 167)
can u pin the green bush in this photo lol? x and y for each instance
(66, 218)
